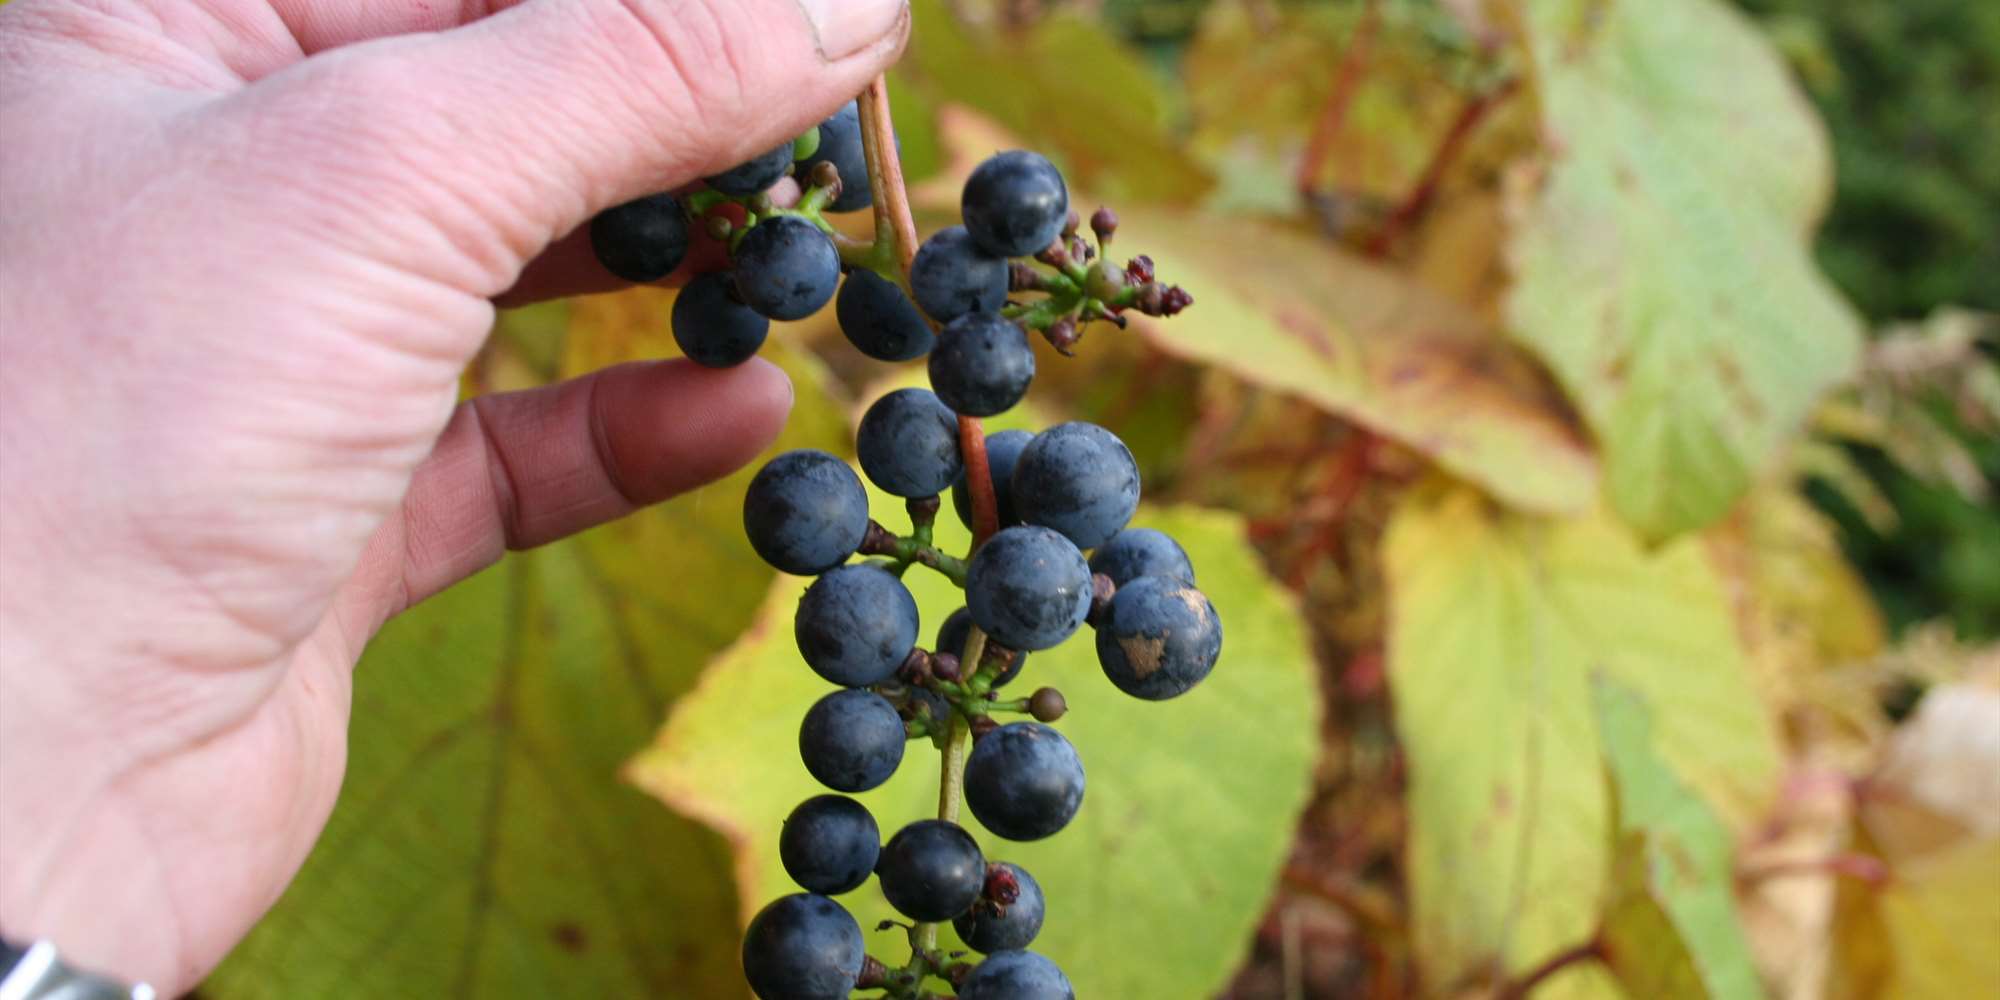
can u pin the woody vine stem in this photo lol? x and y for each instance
(895, 226)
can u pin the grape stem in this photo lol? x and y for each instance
(912, 548)
(895, 225)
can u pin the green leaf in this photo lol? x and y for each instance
(1662, 272)
(1497, 622)
(483, 844)
(1191, 803)
(1673, 929)
(1290, 312)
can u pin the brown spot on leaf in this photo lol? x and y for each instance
(569, 936)
(1144, 654)
(1308, 329)
(1737, 388)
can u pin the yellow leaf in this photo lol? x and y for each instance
(1497, 621)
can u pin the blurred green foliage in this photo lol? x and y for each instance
(1909, 92)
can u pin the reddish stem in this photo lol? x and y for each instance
(1333, 111)
(894, 222)
(1589, 951)
(885, 173)
(1859, 867)
(1344, 480)
(1448, 149)
(985, 505)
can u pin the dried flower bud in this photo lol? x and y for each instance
(1140, 269)
(1047, 705)
(1103, 222)
(1021, 277)
(944, 667)
(1063, 335)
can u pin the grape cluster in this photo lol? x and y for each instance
(1069, 489)
(973, 296)
(788, 262)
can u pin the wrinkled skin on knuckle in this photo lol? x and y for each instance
(709, 67)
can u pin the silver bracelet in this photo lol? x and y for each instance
(39, 974)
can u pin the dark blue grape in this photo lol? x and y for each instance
(852, 740)
(908, 444)
(712, 327)
(829, 844)
(856, 625)
(951, 276)
(982, 364)
(1161, 638)
(805, 512)
(989, 927)
(1015, 204)
(1137, 552)
(752, 176)
(641, 240)
(951, 639)
(1079, 479)
(931, 870)
(1002, 450)
(1028, 587)
(1024, 781)
(1016, 975)
(840, 145)
(802, 947)
(786, 268)
(879, 320)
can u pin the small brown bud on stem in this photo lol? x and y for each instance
(1063, 335)
(1047, 705)
(1103, 222)
(944, 666)
(826, 175)
(916, 667)
(873, 973)
(877, 540)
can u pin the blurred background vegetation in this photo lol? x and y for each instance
(1590, 411)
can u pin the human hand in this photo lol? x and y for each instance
(249, 246)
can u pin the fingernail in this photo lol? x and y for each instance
(844, 27)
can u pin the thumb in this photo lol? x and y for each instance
(510, 131)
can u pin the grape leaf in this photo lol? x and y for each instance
(1497, 622)
(1284, 310)
(1190, 806)
(1066, 85)
(1672, 929)
(483, 844)
(1943, 915)
(1662, 270)
(1264, 86)
(1292, 313)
